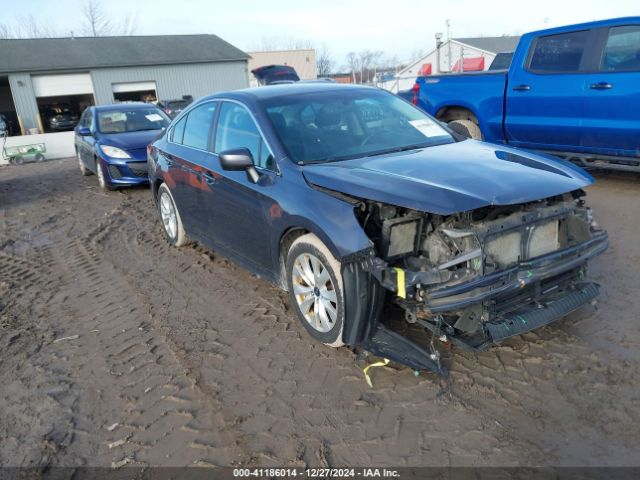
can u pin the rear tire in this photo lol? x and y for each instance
(314, 279)
(170, 217)
(466, 128)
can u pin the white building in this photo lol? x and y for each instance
(472, 53)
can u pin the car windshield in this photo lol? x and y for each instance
(177, 104)
(340, 125)
(132, 120)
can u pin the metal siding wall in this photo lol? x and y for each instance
(173, 81)
(24, 99)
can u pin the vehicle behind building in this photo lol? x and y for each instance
(275, 74)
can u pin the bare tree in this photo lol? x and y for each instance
(27, 27)
(324, 61)
(98, 22)
(353, 62)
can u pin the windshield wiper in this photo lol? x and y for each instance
(396, 150)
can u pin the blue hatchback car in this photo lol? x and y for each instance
(352, 199)
(111, 141)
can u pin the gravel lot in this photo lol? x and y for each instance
(117, 349)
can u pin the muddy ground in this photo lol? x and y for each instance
(117, 349)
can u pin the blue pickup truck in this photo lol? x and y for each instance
(573, 91)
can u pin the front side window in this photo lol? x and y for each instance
(197, 130)
(559, 53)
(338, 125)
(237, 129)
(132, 120)
(622, 51)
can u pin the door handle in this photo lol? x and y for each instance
(601, 86)
(522, 88)
(209, 178)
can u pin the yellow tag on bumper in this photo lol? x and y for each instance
(402, 292)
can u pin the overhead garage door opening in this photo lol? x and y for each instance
(62, 99)
(135, 92)
(8, 116)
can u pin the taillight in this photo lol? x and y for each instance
(416, 91)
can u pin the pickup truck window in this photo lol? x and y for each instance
(560, 53)
(622, 51)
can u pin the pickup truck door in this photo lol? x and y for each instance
(612, 98)
(545, 92)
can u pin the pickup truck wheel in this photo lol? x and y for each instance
(467, 128)
(315, 286)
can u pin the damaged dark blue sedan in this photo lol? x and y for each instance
(352, 200)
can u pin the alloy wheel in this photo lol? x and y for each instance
(168, 214)
(101, 180)
(314, 292)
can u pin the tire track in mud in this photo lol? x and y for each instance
(151, 410)
(40, 396)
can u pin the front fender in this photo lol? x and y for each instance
(331, 219)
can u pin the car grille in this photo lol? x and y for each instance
(139, 169)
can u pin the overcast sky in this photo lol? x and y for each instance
(394, 26)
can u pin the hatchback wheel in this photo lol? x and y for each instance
(83, 170)
(101, 178)
(315, 286)
(171, 222)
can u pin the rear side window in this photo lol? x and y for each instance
(622, 51)
(178, 131)
(559, 53)
(197, 130)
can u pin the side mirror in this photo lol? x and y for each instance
(239, 159)
(84, 132)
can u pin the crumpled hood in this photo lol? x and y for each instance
(451, 178)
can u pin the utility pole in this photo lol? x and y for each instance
(449, 54)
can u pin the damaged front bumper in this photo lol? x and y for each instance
(512, 301)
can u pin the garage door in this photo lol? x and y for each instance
(56, 85)
(134, 87)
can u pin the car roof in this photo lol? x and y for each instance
(123, 106)
(285, 90)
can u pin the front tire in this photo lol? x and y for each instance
(170, 217)
(83, 170)
(102, 181)
(316, 290)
